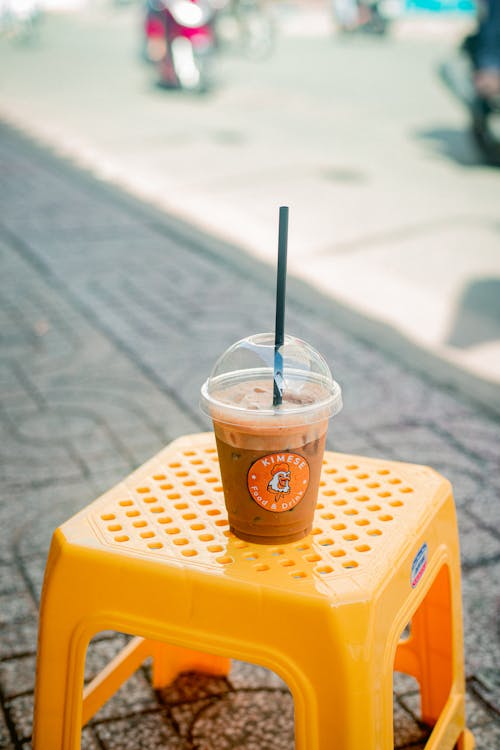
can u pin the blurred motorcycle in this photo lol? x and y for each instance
(365, 16)
(180, 41)
(457, 74)
(247, 26)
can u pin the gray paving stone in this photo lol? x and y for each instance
(481, 617)
(17, 676)
(16, 608)
(249, 720)
(140, 732)
(20, 711)
(18, 638)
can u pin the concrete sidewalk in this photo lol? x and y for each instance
(393, 215)
(111, 315)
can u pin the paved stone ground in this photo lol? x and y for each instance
(111, 316)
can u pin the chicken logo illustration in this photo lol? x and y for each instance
(278, 482)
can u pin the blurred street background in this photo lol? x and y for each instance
(138, 239)
(393, 211)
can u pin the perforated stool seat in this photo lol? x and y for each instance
(154, 557)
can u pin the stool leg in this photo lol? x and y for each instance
(62, 645)
(169, 661)
(436, 637)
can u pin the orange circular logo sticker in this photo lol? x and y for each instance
(278, 481)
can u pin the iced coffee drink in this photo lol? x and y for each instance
(270, 456)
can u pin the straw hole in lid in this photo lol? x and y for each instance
(125, 503)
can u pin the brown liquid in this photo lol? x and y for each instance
(239, 447)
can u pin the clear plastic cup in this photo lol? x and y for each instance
(270, 456)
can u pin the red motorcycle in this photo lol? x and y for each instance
(180, 41)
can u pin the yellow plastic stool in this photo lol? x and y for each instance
(154, 558)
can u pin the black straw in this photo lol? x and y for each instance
(279, 329)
